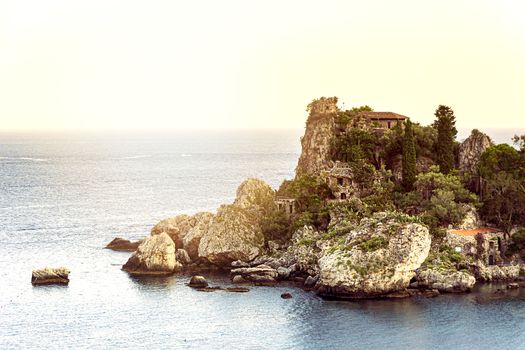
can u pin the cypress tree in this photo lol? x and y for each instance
(409, 157)
(446, 127)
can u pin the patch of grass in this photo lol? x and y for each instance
(373, 244)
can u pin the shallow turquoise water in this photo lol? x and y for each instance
(63, 197)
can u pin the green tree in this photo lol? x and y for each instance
(445, 124)
(409, 157)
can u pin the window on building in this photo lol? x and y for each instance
(340, 181)
(343, 195)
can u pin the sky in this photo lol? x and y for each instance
(128, 64)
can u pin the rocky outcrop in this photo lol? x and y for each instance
(154, 256)
(182, 257)
(50, 276)
(378, 258)
(471, 220)
(192, 239)
(495, 273)
(235, 232)
(446, 281)
(123, 245)
(318, 135)
(176, 227)
(471, 150)
(423, 165)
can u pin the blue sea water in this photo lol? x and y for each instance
(64, 196)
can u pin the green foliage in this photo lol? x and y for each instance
(519, 141)
(355, 146)
(517, 244)
(373, 244)
(276, 226)
(438, 196)
(502, 169)
(353, 116)
(409, 157)
(446, 127)
(310, 193)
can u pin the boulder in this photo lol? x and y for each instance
(154, 256)
(50, 276)
(446, 281)
(182, 257)
(378, 258)
(192, 239)
(176, 227)
(255, 194)
(261, 274)
(123, 245)
(283, 272)
(234, 234)
(198, 282)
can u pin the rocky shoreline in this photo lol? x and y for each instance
(381, 257)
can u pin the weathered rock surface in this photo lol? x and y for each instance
(123, 245)
(176, 227)
(446, 281)
(471, 150)
(235, 232)
(318, 135)
(50, 276)
(471, 220)
(192, 239)
(496, 273)
(182, 257)
(261, 274)
(255, 194)
(378, 258)
(154, 256)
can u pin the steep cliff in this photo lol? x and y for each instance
(318, 135)
(471, 150)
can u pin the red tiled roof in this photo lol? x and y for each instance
(384, 116)
(473, 232)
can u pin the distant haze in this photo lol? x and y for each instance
(245, 64)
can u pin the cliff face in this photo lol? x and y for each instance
(318, 135)
(471, 150)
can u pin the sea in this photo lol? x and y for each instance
(65, 195)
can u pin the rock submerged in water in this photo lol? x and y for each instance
(123, 245)
(262, 275)
(446, 281)
(378, 258)
(50, 276)
(154, 256)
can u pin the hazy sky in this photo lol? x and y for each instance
(244, 64)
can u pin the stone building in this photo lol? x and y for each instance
(286, 204)
(483, 244)
(384, 120)
(341, 182)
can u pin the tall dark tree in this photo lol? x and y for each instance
(409, 157)
(446, 127)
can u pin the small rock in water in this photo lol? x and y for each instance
(198, 282)
(286, 296)
(237, 290)
(50, 276)
(123, 245)
(513, 286)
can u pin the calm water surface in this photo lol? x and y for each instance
(63, 197)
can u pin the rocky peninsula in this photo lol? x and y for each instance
(377, 209)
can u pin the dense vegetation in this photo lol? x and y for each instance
(411, 169)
